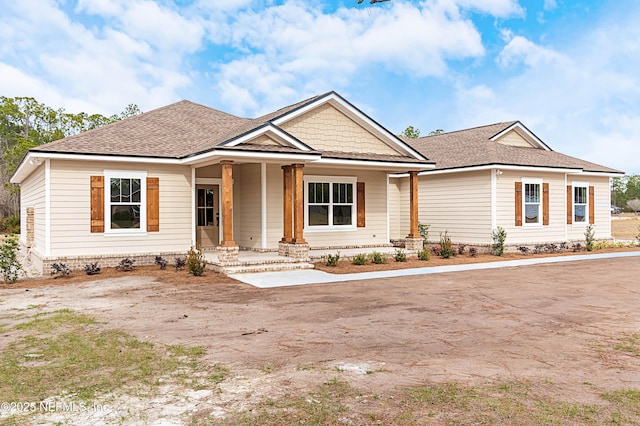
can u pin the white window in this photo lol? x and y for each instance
(532, 201)
(329, 202)
(580, 202)
(125, 202)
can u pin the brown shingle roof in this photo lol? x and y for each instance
(173, 131)
(474, 147)
(184, 129)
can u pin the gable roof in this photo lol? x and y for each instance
(172, 131)
(480, 146)
(187, 129)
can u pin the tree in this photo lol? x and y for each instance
(25, 123)
(411, 132)
(436, 132)
(634, 205)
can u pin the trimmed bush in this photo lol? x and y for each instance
(378, 258)
(359, 259)
(333, 259)
(400, 256)
(195, 261)
(424, 254)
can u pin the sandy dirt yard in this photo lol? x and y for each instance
(553, 326)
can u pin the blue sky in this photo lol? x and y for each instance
(569, 70)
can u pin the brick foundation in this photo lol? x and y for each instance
(413, 244)
(294, 251)
(105, 261)
(227, 255)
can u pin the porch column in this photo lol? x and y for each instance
(227, 204)
(287, 204)
(298, 203)
(413, 240)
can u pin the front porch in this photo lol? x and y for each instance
(256, 261)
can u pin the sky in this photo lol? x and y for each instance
(568, 70)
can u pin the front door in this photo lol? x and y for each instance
(208, 215)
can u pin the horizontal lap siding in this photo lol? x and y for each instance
(32, 194)
(394, 209)
(505, 192)
(247, 216)
(274, 205)
(602, 225)
(70, 211)
(376, 212)
(459, 203)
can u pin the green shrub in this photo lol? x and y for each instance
(332, 259)
(498, 236)
(424, 254)
(378, 258)
(195, 261)
(359, 259)
(10, 267)
(423, 229)
(446, 248)
(400, 256)
(11, 224)
(589, 237)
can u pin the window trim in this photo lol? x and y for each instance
(575, 185)
(532, 181)
(125, 174)
(330, 180)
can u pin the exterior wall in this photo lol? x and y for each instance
(32, 194)
(399, 208)
(505, 191)
(459, 203)
(602, 195)
(247, 206)
(375, 231)
(70, 211)
(327, 129)
(514, 139)
(394, 208)
(214, 171)
(274, 206)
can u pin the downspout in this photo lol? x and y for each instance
(263, 196)
(494, 196)
(47, 207)
(193, 206)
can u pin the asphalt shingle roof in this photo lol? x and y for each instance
(474, 147)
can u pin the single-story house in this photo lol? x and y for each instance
(311, 175)
(504, 175)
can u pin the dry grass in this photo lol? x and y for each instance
(626, 227)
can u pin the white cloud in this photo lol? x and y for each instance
(497, 8)
(309, 48)
(550, 4)
(519, 49)
(580, 95)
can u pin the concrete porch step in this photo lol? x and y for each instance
(248, 267)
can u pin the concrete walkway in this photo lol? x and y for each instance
(312, 276)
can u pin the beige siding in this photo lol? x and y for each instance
(247, 200)
(327, 129)
(394, 208)
(375, 231)
(514, 139)
(274, 205)
(554, 232)
(32, 194)
(459, 203)
(602, 195)
(70, 211)
(214, 171)
(263, 140)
